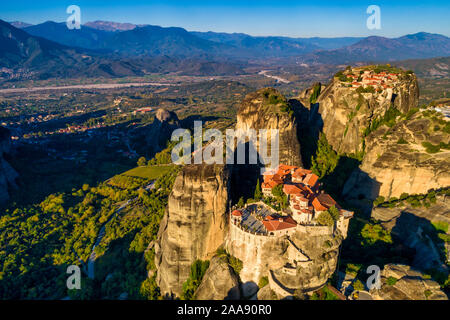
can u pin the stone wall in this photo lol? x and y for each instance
(315, 230)
(252, 249)
(279, 290)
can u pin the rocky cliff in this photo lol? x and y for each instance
(343, 112)
(302, 261)
(410, 157)
(8, 175)
(268, 109)
(413, 226)
(194, 225)
(219, 282)
(160, 131)
(322, 251)
(400, 282)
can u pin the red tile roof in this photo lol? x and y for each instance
(326, 200)
(300, 173)
(291, 189)
(318, 206)
(286, 167)
(270, 184)
(311, 179)
(237, 213)
(278, 178)
(279, 224)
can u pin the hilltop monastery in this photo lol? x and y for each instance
(306, 203)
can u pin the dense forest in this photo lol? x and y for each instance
(38, 242)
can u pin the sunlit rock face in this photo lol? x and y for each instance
(390, 168)
(343, 114)
(219, 282)
(401, 282)
(195, 223)
(268, 109)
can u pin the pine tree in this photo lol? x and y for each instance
(326, 158)
(258, 193)
(241, 202)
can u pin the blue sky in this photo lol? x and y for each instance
(261, 17)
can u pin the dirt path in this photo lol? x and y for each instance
(101, 234)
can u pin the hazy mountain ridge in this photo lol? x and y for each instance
(153, 49)
(131, 39)
(85, 37)
(40, 58)
(111, 26)
(415, 46)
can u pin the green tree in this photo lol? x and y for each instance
(235, 264)
(141, 162)
(258, 193)
(198, 270)
(325, 219)
(372, 233)
(315, 94)
(334, 213)
(149, 289)
(277, 191)
(263, 281)
(326, 158)
(241, 202)
(358, 285)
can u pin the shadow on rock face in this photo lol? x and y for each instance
(233, 294)
(419, 234)
(249, 289)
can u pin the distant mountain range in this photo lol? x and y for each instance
(130, 39)
(415, 46)
(104, 48)
(111, 26)
(154, 41)
(19, 24)
(42, 59)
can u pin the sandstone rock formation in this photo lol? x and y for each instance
(440, 211)
(396, 161)
(343, 113)
(219, 282)
(303, 261)
(406, 284)
(268, 109)
(305, 96)
(322, 251)
(161, 129)
(195, 223)
(8, 175)
(413, 227)
(265, 293)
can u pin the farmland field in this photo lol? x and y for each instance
(148, 172)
